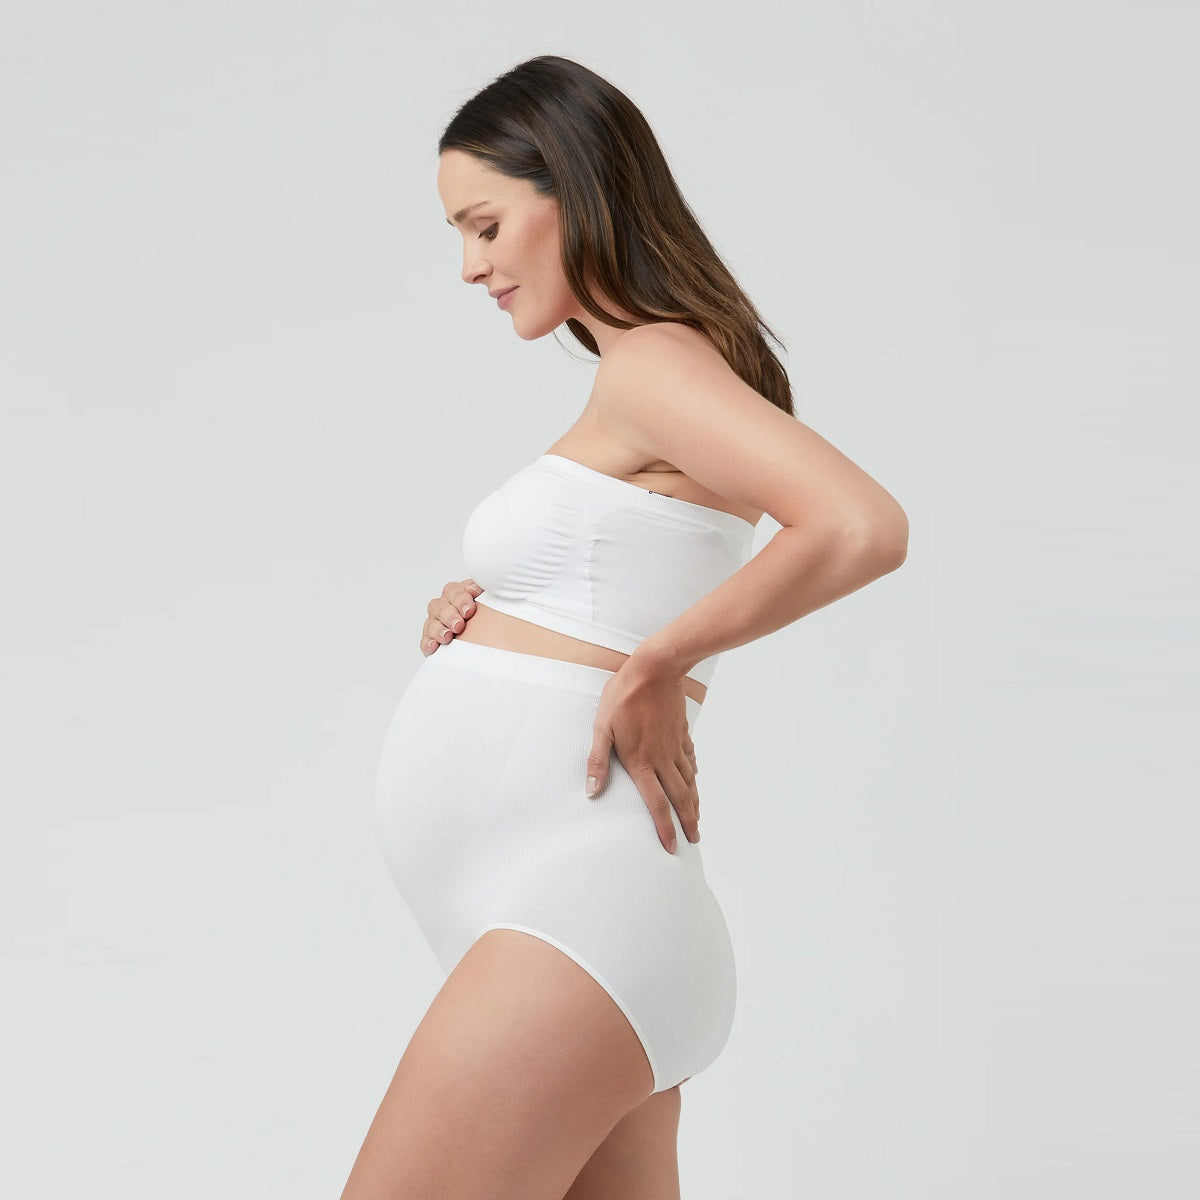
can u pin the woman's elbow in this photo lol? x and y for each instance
(884, 537)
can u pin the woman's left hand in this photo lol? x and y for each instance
(643, 715)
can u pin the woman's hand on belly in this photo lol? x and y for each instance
(449, 614)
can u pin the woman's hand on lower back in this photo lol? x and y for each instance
(449, 614)
(643, 716)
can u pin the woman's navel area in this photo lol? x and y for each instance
(491, 628)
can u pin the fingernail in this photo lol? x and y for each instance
(591, 785)
(671, 846)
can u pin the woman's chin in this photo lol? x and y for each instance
(531, 333)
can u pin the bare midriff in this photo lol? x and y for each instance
(492, 628)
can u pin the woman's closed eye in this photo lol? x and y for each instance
(490, 232)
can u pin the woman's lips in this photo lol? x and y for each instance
(504, 297)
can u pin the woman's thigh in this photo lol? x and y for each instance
(515, 1075)
(639, 1159)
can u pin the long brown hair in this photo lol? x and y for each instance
(623, 219)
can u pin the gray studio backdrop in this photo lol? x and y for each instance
(248, 404)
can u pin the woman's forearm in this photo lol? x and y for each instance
(798, 571)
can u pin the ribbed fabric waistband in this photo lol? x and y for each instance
(531, 668)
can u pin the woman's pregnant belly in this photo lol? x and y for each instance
(491, 628)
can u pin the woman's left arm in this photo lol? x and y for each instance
(664, 390)
(668, 393)
(798, 571)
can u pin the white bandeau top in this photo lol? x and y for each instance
(598, 558)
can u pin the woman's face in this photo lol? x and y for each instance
(510, 238)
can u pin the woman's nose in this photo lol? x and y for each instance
(473, 268)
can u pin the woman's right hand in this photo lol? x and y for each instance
(449, 614)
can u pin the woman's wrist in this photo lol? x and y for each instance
(653, 660)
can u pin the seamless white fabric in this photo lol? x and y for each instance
(598, 558)
(485, 823)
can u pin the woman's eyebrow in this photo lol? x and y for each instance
(462, 212)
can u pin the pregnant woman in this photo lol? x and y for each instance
(589, 971)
